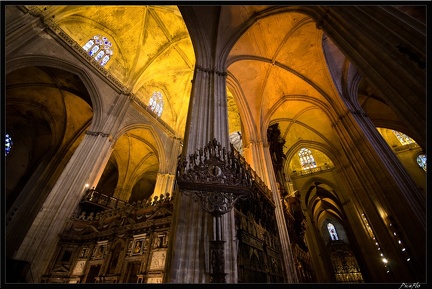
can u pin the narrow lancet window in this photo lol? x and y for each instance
(332, 232)
(8, 144)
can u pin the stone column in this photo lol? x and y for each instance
(323, 269)
(41, 240)
(21, 30)
(383, 188)
(405, 203)
(85, 167)
(164, 184)
(207, 120)
(192, 232)
(388, 49)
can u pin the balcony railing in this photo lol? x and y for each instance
(406, 147)
(320, 169)
(100, 199)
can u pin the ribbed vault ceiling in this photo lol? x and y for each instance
(151, 45)
(152, 51)
(278, 73)
(277, 68)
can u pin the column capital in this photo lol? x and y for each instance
(98, 133)
(211, 70)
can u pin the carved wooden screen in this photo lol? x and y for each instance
(123, 245)
(132, 271)
(93, 272)
(259, 254)
(344, 263)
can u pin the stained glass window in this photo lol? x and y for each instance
(403, 138)
(99, 47)
(306, 159)
(156, 103)
(8, 144)
(332, 232)
(421, 160)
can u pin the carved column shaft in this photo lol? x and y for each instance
(391, 190)
(85, 167)
(164, 184)
(207, 120)
(373, 49)
(217, 256)
(208, 116)
(40, 242)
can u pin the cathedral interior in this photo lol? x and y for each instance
(214, 144)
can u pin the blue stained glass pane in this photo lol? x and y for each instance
(8, 144)
(421, 160)
(88, 45)
(332, 231)
(94, 50)
(105, 60)
(99, 55)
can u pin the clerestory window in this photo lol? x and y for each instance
(306, 159)
(156, 103)
(332, 232)
(99, 47)
(8, 144)
(421, 161)
(403, 138)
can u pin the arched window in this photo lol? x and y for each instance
(332, 232)
(403, 138)
(156, 103)
(306, 159)
(8, 144)
(421, 160)
(99, 47)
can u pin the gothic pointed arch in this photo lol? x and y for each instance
(137, 152)
(326, 157)
(92, 95)
(321, 200)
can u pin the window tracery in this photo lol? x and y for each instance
(156, 103)
(332, 232)
(8, 144)
(306, 159)
(99, 47)
(403, 138)
(421, 161)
